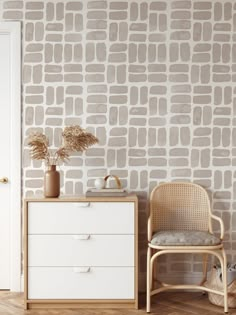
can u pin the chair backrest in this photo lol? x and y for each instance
(179, 206)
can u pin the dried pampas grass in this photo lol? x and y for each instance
(38, 143)
(77, 139)
(74, 139)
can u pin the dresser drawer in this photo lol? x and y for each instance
(80, 283)
(81, 218)
(81, 250)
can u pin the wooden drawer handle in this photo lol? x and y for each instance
(81, 269)
(80, 237)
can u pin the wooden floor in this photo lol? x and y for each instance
(179, 303)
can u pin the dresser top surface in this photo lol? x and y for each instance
(69, 198)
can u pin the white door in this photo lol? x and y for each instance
(9, 108)
(5, 102)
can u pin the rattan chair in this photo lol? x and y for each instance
(180, 221)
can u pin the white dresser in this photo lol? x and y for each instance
(81, 252)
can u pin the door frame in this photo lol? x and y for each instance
(13, 29)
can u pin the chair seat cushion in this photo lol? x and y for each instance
(184, 238)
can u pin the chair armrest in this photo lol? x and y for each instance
(222, 229)
(149, 228)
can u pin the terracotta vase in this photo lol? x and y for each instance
(51, 182)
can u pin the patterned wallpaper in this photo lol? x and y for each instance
(154, 80)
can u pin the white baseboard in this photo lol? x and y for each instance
(22, 283)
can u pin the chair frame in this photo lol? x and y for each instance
(154, 251)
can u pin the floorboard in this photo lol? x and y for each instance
(168, 303)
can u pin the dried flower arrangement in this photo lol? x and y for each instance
(74, 139)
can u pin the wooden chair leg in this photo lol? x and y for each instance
(154, 271)
(204, 268)
(225, 287)
(148, 300)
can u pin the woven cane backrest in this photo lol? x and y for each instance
(179, 206)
